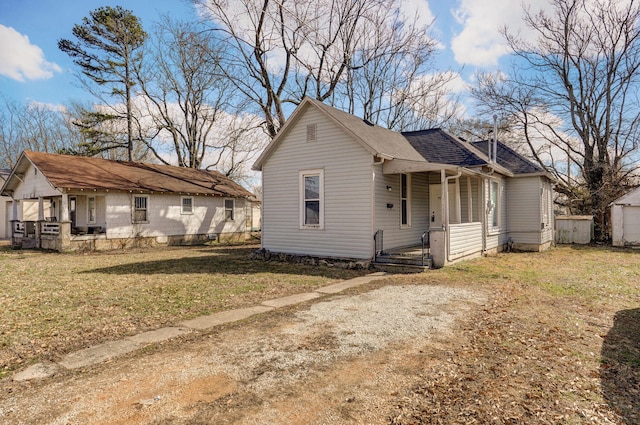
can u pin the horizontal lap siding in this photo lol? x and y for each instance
(524, 210)
(465, 239)
(347, 192)
(165, 217)
(388, 219)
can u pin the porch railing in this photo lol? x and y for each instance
(50, 228)
(18, 228)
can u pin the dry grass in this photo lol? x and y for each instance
(558, 344)
(53, 303)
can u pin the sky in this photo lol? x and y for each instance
(33, 69)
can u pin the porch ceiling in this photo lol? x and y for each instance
(402, 166)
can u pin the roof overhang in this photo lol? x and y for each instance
(404, 166)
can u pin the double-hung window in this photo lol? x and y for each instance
(405, 200)
(187, 205)
(494, 204)
(140, 212)
(312, 199)
(229, 206)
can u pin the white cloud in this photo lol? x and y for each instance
(418, 9)
(21, 60)
(480, 42)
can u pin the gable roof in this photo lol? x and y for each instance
(412, 150)
(509, 159)
(378, 140)
(68, 172)
(435, 145)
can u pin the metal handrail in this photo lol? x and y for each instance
(424, 237)
(378, 236)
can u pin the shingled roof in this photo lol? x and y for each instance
(509, 159)
(435, 145)
(85, 173)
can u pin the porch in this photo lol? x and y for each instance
(56, 222)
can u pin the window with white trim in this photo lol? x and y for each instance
(186, 205)
(312, 199)
(494, 203)
(140, 209)
(91, 209)
(229, 207)
(405, 200)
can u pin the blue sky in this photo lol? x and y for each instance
(33, 69)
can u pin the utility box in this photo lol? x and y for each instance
(574, 229)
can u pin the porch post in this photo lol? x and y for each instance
(64, 208)
(40, 208)
(14, 211)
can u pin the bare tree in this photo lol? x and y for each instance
(184, 94)
(575, 99)
(350, 52)
(35, 127)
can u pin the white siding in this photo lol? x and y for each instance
(348, 175)
(524, 210)
(388, 219)
(465, 239)
(34, 185)
(624, 222)
(165, 217)
(496, 237)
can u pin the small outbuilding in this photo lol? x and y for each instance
(625, 219)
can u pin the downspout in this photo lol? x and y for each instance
(446, 205)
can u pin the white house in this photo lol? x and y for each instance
(625, 219)
(335, 185)
(5, 208)
(64, 202)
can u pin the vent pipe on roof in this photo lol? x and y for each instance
(495, 138)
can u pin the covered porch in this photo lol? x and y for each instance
(54, 222)
(441, 214)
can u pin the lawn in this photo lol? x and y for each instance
(559, 343)
(52, 303)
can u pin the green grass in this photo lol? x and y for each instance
(51, 303)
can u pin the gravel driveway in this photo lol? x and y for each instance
(335, 360)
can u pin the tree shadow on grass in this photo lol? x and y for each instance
(620, 365)
(232, 260)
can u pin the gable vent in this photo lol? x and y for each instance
(312, 132)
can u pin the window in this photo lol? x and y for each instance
(91, 209)
(228, 209)
(312, 199)
(494, 203)
(140, 209)
(405, 200)
(187, 205)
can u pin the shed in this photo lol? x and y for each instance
(574, 229)
(625, 219)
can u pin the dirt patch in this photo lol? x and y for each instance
(332, 361)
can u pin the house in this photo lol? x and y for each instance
(5, 208)
(64, 202)
(625, 219)
(335, 185)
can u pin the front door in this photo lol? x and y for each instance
(72, 211)
(435, 205)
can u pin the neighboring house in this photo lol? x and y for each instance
(625, 219)
(67, 202)
(335, 185)
(5, 208)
